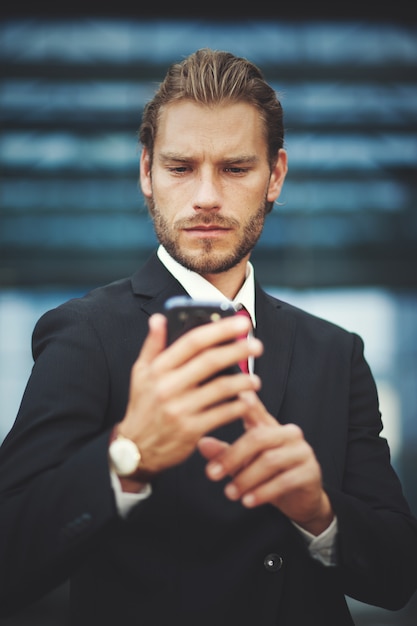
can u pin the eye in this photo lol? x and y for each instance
(178, 169)
(236, 170)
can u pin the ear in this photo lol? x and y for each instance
(277, 176)
(145, 173)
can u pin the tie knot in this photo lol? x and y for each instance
(240, 310)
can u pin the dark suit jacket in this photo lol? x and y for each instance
(187, 555)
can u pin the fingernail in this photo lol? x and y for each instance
(231, 491)
(248, 500)
(215, 470)
(255, 345)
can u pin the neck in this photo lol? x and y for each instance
(229, 282)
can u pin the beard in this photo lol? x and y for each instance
(208, 259)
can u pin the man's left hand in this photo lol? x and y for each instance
(271, 463)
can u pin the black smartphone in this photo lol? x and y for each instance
(184, 313)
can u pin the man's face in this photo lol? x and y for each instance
(209, 183)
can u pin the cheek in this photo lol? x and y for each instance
(170, 198)
(161, 188)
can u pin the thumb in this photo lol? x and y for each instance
(155, 341)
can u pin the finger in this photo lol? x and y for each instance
(273, 490)
(198, 340)
(216, 391)
(210, 447)
(219, 415)
(270, 465)
(251, 444)
(293, 491)
(202, 403)
(219, 359)
(207, 366)
(203, 386)
(256, 413)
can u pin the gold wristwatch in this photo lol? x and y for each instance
(124, 456)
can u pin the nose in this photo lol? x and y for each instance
(207, 192)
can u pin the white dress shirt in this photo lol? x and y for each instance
(321, 547)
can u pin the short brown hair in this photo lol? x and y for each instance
(212, 77)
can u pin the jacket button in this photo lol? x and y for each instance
(273, 562)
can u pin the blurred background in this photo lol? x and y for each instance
(342, 243)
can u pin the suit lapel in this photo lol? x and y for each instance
(275, 327)
(154, 284)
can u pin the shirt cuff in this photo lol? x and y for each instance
(125, 501)
(322, 547)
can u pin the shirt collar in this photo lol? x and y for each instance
(201, 289)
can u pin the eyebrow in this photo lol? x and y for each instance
(242, 159)
(181, 158)
(171, 156)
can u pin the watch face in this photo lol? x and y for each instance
(124, 456)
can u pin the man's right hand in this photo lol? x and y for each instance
(170, 405)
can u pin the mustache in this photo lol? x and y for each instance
(206, 220)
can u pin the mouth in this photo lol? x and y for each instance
(206, 227)
(206, 230)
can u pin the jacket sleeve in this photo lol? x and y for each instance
(377, 538)
(55, 490)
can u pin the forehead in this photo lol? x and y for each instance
(186, 125)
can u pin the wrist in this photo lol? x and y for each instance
(320, 522)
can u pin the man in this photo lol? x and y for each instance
(167, 494)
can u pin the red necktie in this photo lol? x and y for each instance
(244, 366)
